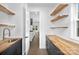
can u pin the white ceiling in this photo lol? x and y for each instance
(42, 4)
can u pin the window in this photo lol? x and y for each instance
(77, 20)
(78, 10)
(78, 28)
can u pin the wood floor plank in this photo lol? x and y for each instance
(34, 48)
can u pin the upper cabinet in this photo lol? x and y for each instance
(6, 10)
(58, 9)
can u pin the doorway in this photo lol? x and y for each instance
(34, 31)
(34, 25)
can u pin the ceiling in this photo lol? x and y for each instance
(42, 4)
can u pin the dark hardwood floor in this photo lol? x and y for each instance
(34, 47)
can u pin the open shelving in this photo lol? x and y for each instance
(58, 9)
(7, 25)
(6, 10)
(58, 27)
(58, 17)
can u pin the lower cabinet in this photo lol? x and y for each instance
(15, 49)
(52, 49)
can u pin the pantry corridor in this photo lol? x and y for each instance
(34, 47)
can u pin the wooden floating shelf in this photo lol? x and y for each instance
(58, 9)
(7, 25)
(58, 18)
(58, 27)
(6, 10)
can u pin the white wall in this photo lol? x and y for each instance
(45, 24)
(44, 12)
(60, 23)
(16, 19)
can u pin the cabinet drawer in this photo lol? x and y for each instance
(51, 45)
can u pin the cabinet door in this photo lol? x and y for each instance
(52, 49)
(10, 51)
(15, 49)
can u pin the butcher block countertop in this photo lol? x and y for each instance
(66, 46)
(4, 44)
